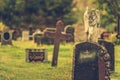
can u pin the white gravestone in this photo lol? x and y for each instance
(25, 35)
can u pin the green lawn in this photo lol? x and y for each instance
(14, 67)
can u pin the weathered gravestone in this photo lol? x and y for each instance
(25, 35)
(110, 48)
(15, 34)
(48, 40)
(36, 55)
(69, 30)
(37, 38)
(31, 33)
(90, 62)
(57, 36)
(6, 37)
(38, 35)
(79, 33)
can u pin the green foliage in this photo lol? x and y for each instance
(2, 26)
(35, 12)
(114, 40)
(110, 10)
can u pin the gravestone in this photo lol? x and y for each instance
(37, 38)
(15, 34)
(6, 37)
(79, 31)
(36, 55)
(25, 35)
(48, 40)
(69, 30)
(58, 37)
(90, 62)
(105, 36)
(110, 48)
(31, 31)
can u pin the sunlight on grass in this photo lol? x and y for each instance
(14, 67)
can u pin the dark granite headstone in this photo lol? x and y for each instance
(90, 62)
(110, 48)
(69, 30)
(37, 38)
(6, 38)
(36, 55)
(31, 31)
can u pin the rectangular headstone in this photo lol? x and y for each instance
(25, 35)
(36, 55)
(79, 33)
(89, 62)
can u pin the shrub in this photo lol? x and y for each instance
(113, 39)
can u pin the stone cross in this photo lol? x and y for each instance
(57, 36)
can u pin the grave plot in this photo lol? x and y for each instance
(90, 62)
(35, 55)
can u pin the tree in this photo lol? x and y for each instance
(110, 11)
(36, 12)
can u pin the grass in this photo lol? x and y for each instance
(14, 67)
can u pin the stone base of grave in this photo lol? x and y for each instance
(36, 55)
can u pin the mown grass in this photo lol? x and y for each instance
(14, 67)
(116, 74)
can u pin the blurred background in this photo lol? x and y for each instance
(25, 14)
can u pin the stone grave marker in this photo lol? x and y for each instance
(15, 34)
(79, 33)
(69, 30)
(90, 62)
(25, 35)
(35, 55)
(37, 38)
(47, 40)
(110, 48)
(6, 37)
(58, 37)
(31, 31)
(38, 35)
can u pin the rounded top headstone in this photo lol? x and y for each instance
(59, 25)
